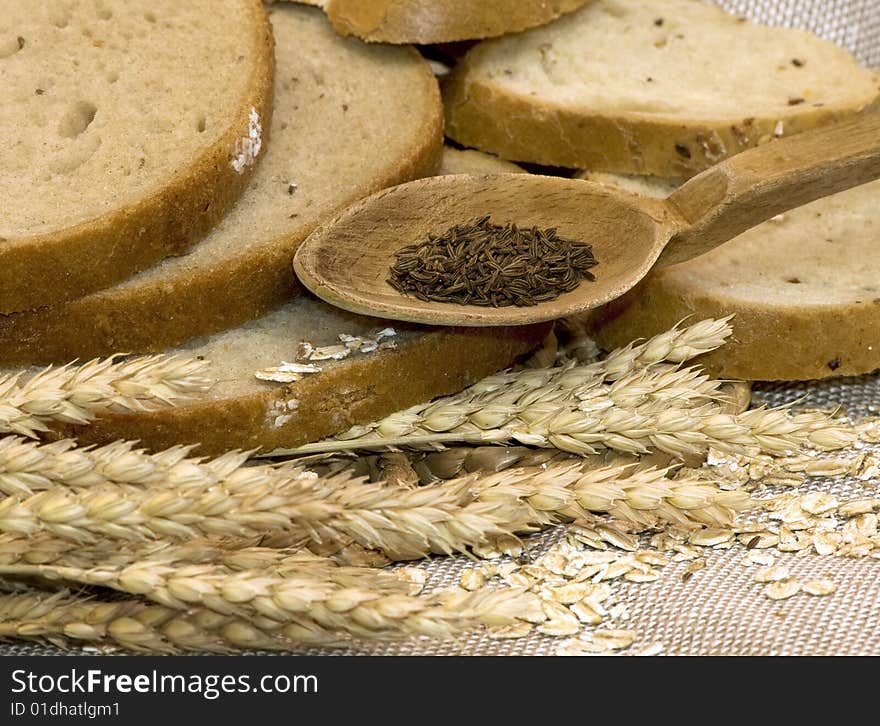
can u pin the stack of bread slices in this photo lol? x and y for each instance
(163, 161)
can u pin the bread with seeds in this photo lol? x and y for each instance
(127, 133)
(667, 88)
(350, 119)
(803, 288)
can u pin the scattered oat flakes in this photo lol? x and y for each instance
(518, 579)
(857, 506)
(472, 579)
(651, 649)
(560, 626)
(819, 587)
(571, 593)
(415, 576)
(574, 647)
(514, 630)
(818, 503)
(619, 612)
(506, 569)
(775, 573)
(487, 552)
(782, 590)
(585, 612)
(615, 638)
(710, 537)
(754, 557)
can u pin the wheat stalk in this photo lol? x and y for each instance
(75, 394)
(499, 398)
(640, 496)
(306, 598)
(585, 427)
(28, 466)
(399, 522)
(636, 400)
(45, 549)
(134, 625)
(677, 345)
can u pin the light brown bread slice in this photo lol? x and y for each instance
(804, 288)
(350, 118)
(468, 161)
(667, 87)
(244, 412)
(439, 21)
(127, 133)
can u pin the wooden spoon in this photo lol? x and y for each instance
(346, 261)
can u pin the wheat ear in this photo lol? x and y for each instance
(401, 523)
(75, 394)
(305, 598)
(502, 396)
(677, 345)
(630, 419)
(27, 466)
(61, 618)
(46, 549)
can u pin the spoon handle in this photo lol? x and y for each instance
(760, 183)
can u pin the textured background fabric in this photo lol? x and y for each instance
(853, 24)
(720, 610)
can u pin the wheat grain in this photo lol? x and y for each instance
(634, 401)
(131, 624)
(306, 598)
(677, 345)
(652, 425)
(44, 548)
(502, 397)
(399, 522)
(75, 394)
(28, 466)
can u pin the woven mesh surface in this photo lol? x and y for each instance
(853, 24)
(720, 610)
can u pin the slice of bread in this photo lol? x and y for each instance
(457, 161)
(648, 186)
(804, 287)
(350, 118)
(667, 87)
(439, 21)
(127, 133)
(244, 412)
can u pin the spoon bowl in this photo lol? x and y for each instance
(346, 262)
(345, 266)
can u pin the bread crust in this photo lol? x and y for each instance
(145, 319)
(440, 21)
(66, 264)
(770, 342)
(490, 118)
(439, 362)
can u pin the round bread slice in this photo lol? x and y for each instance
(127, 133)
(667, 87)
(804, 288)
(350, 119)
(468, 161)
(439, 21)
(410, 364)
